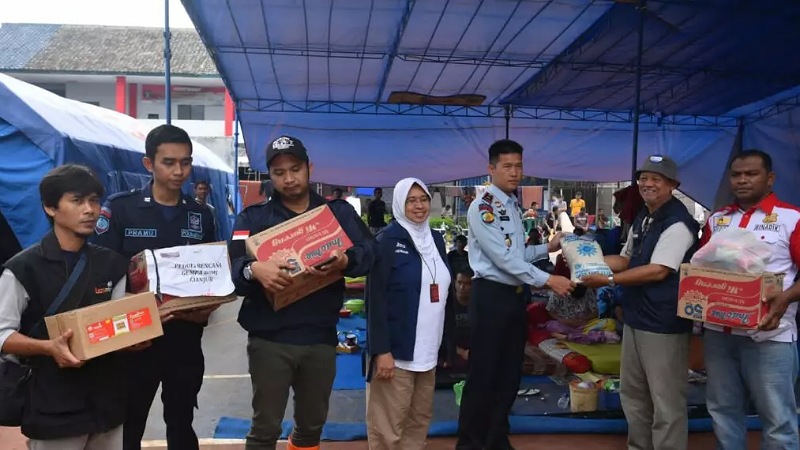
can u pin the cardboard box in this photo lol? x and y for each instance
(723, 298)
(304, 241)
(179, 264)
(109, 326)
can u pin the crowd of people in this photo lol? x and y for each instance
(426, 309)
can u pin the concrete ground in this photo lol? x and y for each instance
(10, 439)
(226, 392)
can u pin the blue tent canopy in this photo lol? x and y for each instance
(40, 130)
(381, 90)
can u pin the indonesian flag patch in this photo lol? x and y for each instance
(240, 235)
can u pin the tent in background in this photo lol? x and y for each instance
(40, 130)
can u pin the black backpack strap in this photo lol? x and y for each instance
(65, 290)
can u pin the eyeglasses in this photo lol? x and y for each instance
(418, 200)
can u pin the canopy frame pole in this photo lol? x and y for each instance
(167, 68)
(237, 201)
(642, 8)
(507, 117)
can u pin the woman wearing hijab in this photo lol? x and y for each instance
(406, 297)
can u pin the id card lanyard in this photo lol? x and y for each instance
(434, 287)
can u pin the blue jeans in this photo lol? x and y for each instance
(765, 372)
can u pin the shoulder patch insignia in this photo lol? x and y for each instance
(484, 207)
(487, 198)
(487, 217)
(102, 225)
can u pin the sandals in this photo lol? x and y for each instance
(528, 392)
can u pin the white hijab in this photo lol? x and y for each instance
(420, 232)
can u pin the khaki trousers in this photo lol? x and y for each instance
(110, 440)
(399, 410)
(653, 385)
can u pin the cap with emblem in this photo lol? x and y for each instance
(286, 145)
(662, 165)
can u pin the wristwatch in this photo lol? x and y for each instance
(247, 272)
(610, 281)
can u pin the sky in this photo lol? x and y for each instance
(143, 13)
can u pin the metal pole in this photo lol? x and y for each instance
(507, 116)
(638, 94)
(167, 58)
(236, 200)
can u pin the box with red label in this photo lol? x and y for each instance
(307, 240)
(108, 326)
(184, 277)
(723, 298)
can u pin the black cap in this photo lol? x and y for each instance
(286, 145)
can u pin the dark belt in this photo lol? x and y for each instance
(512, 289)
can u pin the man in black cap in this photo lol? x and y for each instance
(655, 342)
(294, 346)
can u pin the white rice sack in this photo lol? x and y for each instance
(583, 256)
(734, 250)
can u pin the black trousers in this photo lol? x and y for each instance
(497, 347)
(174, 361)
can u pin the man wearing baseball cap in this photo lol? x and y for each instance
(294, 346)
(655, 342)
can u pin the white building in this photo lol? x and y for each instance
(122, 68)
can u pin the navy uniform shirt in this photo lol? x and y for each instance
(497, 249)
(313, 319)
(132, 221)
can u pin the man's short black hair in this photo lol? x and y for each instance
(376, 190)
(766, 160)
(203, 182)
(464, 270)
(165, 134)
(66, 179)
(503, 147)
(338, 190)
(460, 238)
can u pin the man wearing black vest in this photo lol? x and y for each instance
(71, 404)
(655, 342)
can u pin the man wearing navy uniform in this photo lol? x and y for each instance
(161, 216)
(503, 267)
(294, 347)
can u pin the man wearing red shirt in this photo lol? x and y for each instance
(759, 365)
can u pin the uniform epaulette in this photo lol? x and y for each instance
(254, 205)
(123, 194)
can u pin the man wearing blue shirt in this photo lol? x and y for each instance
(503, 267)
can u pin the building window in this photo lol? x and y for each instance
(152, 116)
(191, 112)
